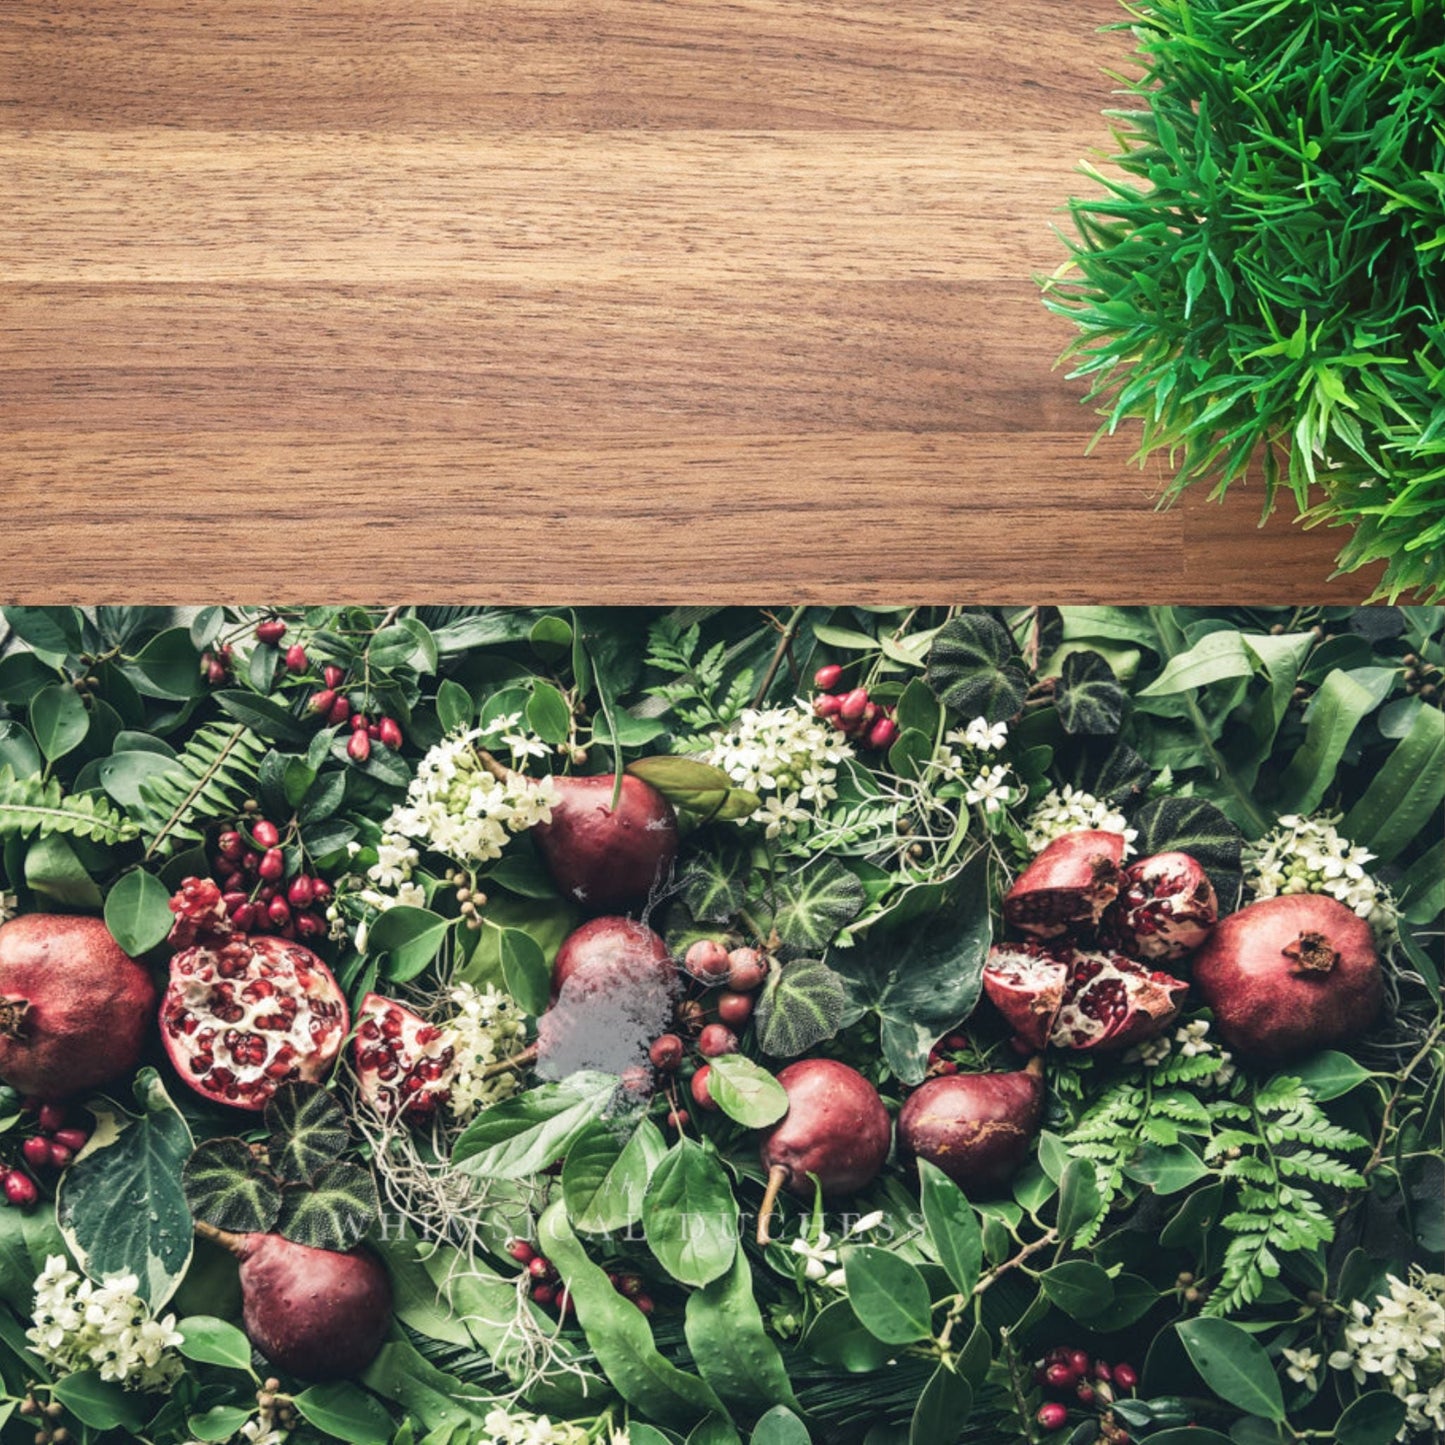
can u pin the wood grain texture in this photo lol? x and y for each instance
(629, 300)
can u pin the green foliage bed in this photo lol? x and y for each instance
(1253, 1252)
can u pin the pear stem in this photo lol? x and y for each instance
(499, 771)
(233, 1243)
(777, 1177)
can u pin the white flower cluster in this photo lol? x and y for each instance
(821, 1258)
(1192, 1043)
(1067, 810)
(788, 757)
(1400, 1343)
(487, 1027)
(957, 760)
(80, 1325)
(1310, 855)
(505, 1428)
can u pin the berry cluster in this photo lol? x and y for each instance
(335, 708)
(53, 1147)
(216, 667)
(737, 974)
(550, 1294)
(853, 713)
(251, 868)
(1093, 1383)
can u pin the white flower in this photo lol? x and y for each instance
(991, 789)
(1302, 1365)
(986, 736)
(865, 1224)
(504, 1427)
(1152, 1052)
(819, 1255)
(1067, 810)
(1311, 855)
(788, 757)
(81, 1325)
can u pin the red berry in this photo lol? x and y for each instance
(1125, 1376)
(827, 677)
(541, 1267)
(948, 1067)
(266, 834)
(60, 1156)
(521, 1251)
(707, 961)
(734, 1009)
(666, 1052)
(296, 658)
(244, 917)
(358, 721)
(853, 704)
(279, 912)
(678, 1119)
(1052, 1417)
(72, 1139)
(231, 845)
(826, 704)
(272, 866)
(37, 1152)
(308, 925)
(564, 1303)
(644, 1303)
(1085, 1392)
(716, 1039)
(1079, 1359)
(543, 1294)
(19, 1189)
(332, 675)
(1102, 1371)
(216, 672)
(883, 734)
(389, 732)
(960, 1041)
(359, 747)
(747, 968)
(302, 892)
(340, 710)
(1059, 1376)
(320, 891)
(52, 1117)
(272, 630)
(701, 1093)
(373, 731)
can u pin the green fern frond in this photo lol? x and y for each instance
(34, 805)
(208, 783)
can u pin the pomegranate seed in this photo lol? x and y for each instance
(73, 1139)
(826, 704)
(827, 677)
(273, 865)
(323, 701)
(359, 748)
(883, 733)
(231, 844)
(332, 675)
(60, 1156)
(37, 1152)
(340, 710)
(390, 732)
(266, 834)
(52, 1117)
(301, 892)
(20, 1189)
(279, 912)
(271, 631)
(853, 705)
(296, 658)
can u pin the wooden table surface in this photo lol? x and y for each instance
(587, 300)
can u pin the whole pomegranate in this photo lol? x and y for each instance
(836, 1128)
(1290, 975)
(1077, 999)
(404, 1065)
(318, 1314)
(242, 1016)
(1068, 886)
(74, 1009)
(1165, 909)
(977, 1128)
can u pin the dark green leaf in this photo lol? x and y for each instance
(410, 937)
(942, 1408)
(225, 1186)
(548, 714)
(58, 719)
(210, 1341)
(1374, 1419)
(887, 1294)
(99, 1403)
(604, 1176)
(455, 708)
(53, 869)
(1079, 1288)
(811, 905)
(780, 1427)
(523, 1135)
(346, 1411)
(1196, 827)
(974, 671)
(48, 629)
(1089, 698)
(802, 1003)
(335, 1211)
(1329, 1075)
(138, 912)
(952, 1226)
(308, 1130)
(525, 972)
(1234, 1365)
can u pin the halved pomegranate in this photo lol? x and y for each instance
(404, 1065)
(1069, 884)
(242, 1016)
(1165, 909)
(1074, 999)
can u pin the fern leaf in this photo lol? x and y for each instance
(210, 780)
(34, 805)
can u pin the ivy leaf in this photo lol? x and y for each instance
(1194, 826)
(1089, 698)
(973, 669)
(746, 1093)
(225, 1186)
(308, 1130)
(120, 1205)
(811, 905)
(337, 1209)
(802, 1003)
(922, 981)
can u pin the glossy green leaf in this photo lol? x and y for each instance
(952, 1227)
(690, 1215)
(138, 912)
(1234, 1365)
(745, 1092)
(887, 1294)
(58, 720)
